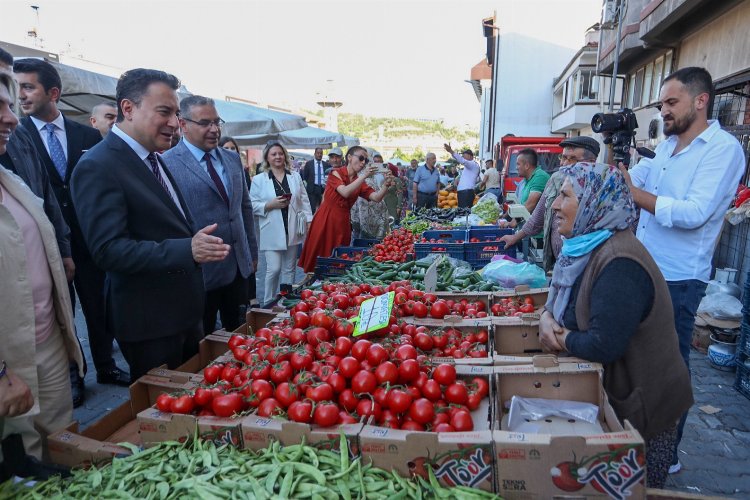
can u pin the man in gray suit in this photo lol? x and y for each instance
(213, 183)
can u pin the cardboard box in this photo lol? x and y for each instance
(522, 291)
(484, 297)
(457, 458)
(98, 443)
(530, 465)
(211, 347)
(517, 337)
(465, 325)
(259, 432)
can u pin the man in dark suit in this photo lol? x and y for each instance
(213, 183)
(60, 143)
(314, 177)
(138, 228)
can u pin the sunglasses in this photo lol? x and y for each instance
(362, 159)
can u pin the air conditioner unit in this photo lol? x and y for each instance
(609, 14)
(655, 130)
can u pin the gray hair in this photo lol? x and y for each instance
(428, 155)
(194, 100)
(99, 106)
(9, 82)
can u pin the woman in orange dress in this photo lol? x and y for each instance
(331, 227)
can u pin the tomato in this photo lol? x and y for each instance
(286, 394)
(270, 408)
(462, 421)
(389, 419)
(326, 415)
(303, 380)
(363, 382)
(456, 394)
(300, 411)
(301, 361)
(376, 354)
(366, 407)
(344, 328)
(386, 372)
(440, 418)
(227, 405)
(422, 411)
(408, 371)
(444, 374)
(236, 340)
(341, 300)
(261, 371)
(482, 336)
(439, 310)
(348, 367)
(473, 401)
(406, 351)
(211, 373)
(297, 336)
(424, 342)
(409, 329)
(345, 418)
(381, 396)
(400, 299)
(301, 320)
(399, 401)
(322, 319)
(431, 390)
(281, 372)
(420, 310)
(260, 390)
(360, 348)
(337, 382)
(440, 339)
(343, 346)
(411, 425)
(323, 350)
(203, 396)
(164, 402)
(348, 400)
(317, 335)
(481, 386)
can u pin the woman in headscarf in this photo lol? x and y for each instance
(609, 303)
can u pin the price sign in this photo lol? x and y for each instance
(374, 314)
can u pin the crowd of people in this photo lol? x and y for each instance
(160, 239)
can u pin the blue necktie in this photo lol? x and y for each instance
(56, 152)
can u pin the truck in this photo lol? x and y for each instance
(547, 149)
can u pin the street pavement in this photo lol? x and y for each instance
(715, 450)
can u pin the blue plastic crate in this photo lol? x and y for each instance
(480, 254)
(455, 250)
(489, 233)
(447, 235)
(364, 242)
(743, 345)
(338, 251)
(742, 380)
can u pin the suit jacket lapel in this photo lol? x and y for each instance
(43, 154)
(195, 167)
(234, 178)
(139, 169)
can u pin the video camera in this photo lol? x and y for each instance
(618, 129)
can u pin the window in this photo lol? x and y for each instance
(644, 85)
(631, 90)
(658, 78)
(588, 85)
(638, 87)
(647, 79)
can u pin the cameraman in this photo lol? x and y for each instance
(683, 193)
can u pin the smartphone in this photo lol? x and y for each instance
(288, 196)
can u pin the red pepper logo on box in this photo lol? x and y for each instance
(614, 472)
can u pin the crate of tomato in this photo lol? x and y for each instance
(483, 244)
(397, 246)
(341, 259)
(448, 241)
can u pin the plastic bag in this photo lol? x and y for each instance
(468, 220)
(509, 274)
(487, 208)
(525, 410)
(721, 306)
(456, 263)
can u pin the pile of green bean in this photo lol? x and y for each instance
(200, 469)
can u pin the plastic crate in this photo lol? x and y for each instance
(480, 254)
(742, 380)
(489, 233)
(364, 242)
(328, 267)
(338, 251)
(743, 345)
(455, 250)
(447, 235)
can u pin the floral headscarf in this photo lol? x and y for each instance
(605, 205)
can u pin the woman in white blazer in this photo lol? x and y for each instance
(280, 202)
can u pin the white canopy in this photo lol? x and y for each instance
(244, 119)
(303, 138)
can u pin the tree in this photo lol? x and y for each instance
(418, 154)
(400, 154)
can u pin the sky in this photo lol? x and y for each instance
(398, 58)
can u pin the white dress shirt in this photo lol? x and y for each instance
(199, 155)
(59, 123)
(693, 189)
(470, 175)
(143, 154)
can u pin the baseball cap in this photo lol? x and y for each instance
(335, 151)
(587, 143)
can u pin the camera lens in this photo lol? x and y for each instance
(606, 122)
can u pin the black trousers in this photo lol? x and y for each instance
(143, 355)
(89, 285)
(465, 198)
(228, 301)
(426, 200)
(315, 195)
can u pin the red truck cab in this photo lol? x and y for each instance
(547, 149)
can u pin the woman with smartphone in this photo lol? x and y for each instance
(332, 225)
(280, 202)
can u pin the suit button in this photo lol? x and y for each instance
(65, 186)
(65, 204)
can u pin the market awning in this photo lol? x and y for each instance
(303, 138)
(247, 120)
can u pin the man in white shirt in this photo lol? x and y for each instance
(469, 176)
(683, 193)
(314, 175)
(103, 117)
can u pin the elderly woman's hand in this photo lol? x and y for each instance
(549, 329)
(15, 396)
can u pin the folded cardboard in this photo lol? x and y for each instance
(259, 432)
(536, 465)
(457, 458)
(98, 443)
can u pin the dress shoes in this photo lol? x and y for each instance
(114, 376)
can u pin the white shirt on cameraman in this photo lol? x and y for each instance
(693, 189)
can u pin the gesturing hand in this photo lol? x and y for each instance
(207, 248)
(448, 148)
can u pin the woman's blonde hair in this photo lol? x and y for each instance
(9, 82)
(264, 166)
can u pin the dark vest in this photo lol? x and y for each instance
(650, 385)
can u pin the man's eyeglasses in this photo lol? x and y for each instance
(206, 123)
(568, 159)
(362, 159)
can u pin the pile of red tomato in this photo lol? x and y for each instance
(396, 246)
(512, 306)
